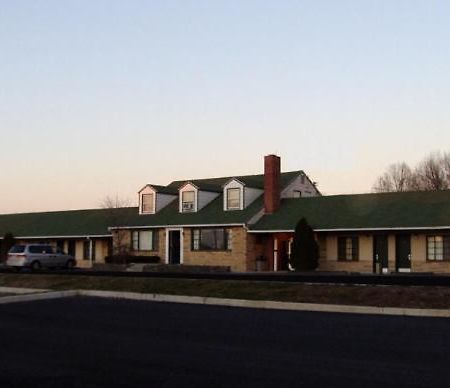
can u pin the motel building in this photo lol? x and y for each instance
(247, 223)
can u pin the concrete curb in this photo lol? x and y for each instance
(16, 290)
(37, 296)
(263, 304)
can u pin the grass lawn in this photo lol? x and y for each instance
(386, 296)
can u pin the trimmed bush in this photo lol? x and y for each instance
(175, 268)
(128, 259)
(6, 244)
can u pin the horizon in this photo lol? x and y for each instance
(100, 97)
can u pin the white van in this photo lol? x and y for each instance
(36, 256)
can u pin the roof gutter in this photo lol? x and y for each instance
(354, 229)
(173, 226)
(43, 237)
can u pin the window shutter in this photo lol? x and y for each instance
(341, 248)
(155, 240)
(355, 248)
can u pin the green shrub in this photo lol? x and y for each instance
(6, 244)
(305, 251)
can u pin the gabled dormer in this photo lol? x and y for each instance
(192, 197)
(300, 186)
(237, 195)
(153, 198)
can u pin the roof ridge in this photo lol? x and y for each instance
(392, 193)
(230, 177)
(65, 211)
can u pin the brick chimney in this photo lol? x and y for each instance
(272, 171)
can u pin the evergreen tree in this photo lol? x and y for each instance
(305, 251)
(6, 244)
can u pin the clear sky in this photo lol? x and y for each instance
(99, 97)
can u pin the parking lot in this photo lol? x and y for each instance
(80, 342)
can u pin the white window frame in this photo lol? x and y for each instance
(147, 190)
(187, 188)
(138, 248)
(233, 184)
(181, 244)
(153, 203)
(236, 189)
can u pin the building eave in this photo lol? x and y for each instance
(62, 236)
(356, 229)
(175, 226)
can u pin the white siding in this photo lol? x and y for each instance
(233, 184)
(251, 194)
(205, 197)
(248, 194)
(162, 200)
(146, 190)
(188, 187)
(299, 185)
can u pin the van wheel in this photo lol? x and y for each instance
(35, 265)
(70, 264)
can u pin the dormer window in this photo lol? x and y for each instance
(188, 201)
(148, 202)
(237, 195)
(233, 199)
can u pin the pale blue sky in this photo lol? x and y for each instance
(98, 97)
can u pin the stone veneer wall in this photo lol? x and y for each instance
(329, 255)
(236, 258)
(419, 263)
(160, 251)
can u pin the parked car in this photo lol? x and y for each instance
(36, 256)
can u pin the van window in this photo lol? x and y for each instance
(17, 249)
(36, 249)
(40, 249)
(48, 249)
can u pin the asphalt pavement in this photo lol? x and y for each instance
(93, 342)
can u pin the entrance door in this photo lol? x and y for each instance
(283, 255)
(403, 252)
(380, 253)
(71, 248)
(174, 246)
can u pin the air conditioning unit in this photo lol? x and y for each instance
(188, 206)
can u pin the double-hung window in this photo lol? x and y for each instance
(438, 248)
(233, 199)
(214, 239)
(144, 240)
(148, 203)
(188, 201)
(348, 248)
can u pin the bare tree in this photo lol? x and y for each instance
(446, 167)
(398, 177)
(118, 215)
(431, 174)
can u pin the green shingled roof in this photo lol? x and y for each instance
(212, 213)
(255, 181)
(362, 211)
(93, 222)
(165, 189)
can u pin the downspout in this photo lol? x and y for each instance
(275, 254)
